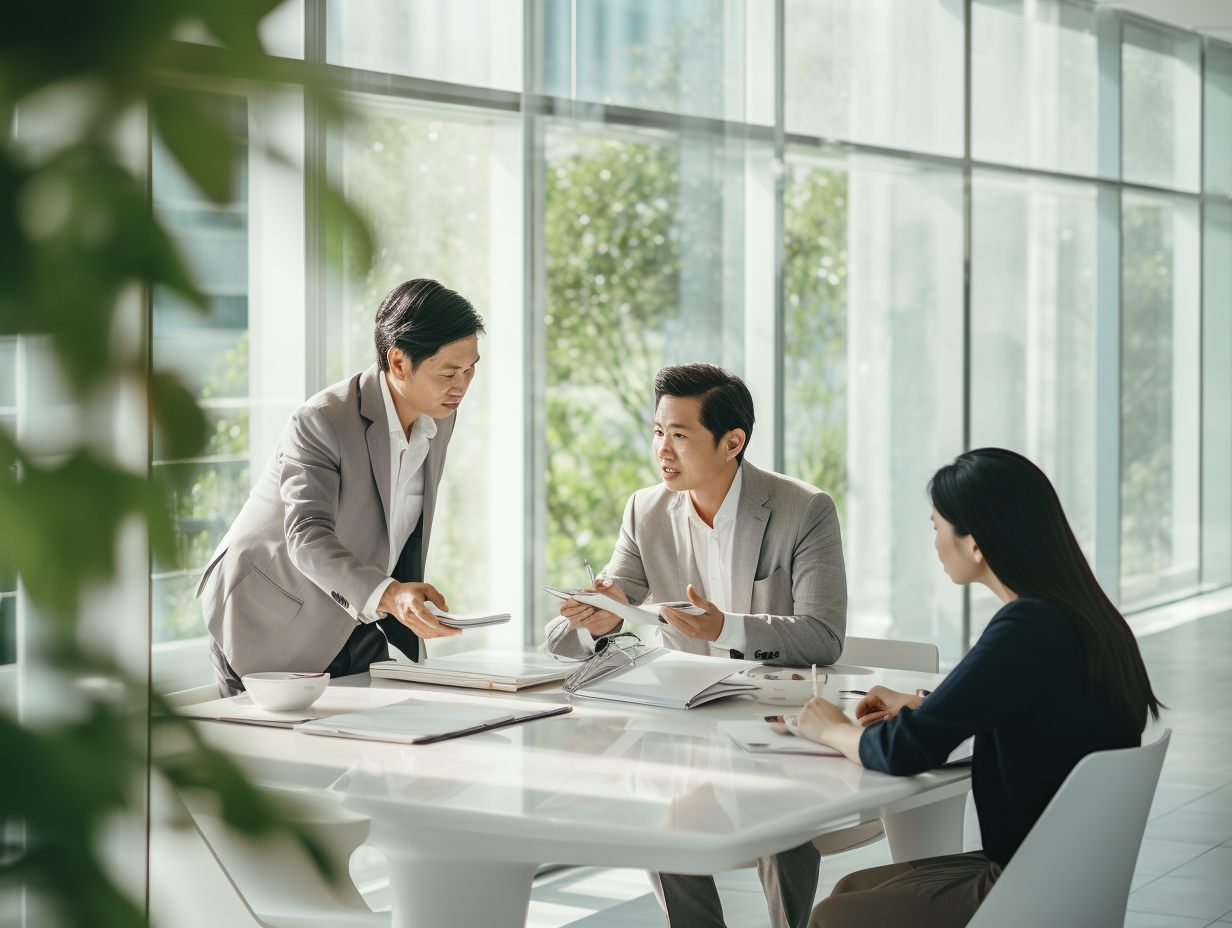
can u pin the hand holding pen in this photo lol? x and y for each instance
(590, 618)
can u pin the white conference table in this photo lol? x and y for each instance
(465, 823)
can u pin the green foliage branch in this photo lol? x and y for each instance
(77, 235)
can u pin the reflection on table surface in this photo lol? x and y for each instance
(625, 765)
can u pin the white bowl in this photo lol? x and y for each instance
(776, 686)
(282, 691)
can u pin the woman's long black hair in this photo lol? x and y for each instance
(1015, 516)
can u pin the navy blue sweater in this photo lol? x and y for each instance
(1022, 691)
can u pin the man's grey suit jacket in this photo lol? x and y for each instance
(787, 573)
(284, 588)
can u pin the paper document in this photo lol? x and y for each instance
(334, 701)
(487, 669)
(672, 679)
(469, 619)
(757, 737)
(415, 722)
(646, 614)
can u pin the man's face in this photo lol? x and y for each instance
(440, 382)
(685, 450)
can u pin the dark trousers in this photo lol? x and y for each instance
(365, 646)
(789, 880)
(934, 892)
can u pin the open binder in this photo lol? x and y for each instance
(629, 671)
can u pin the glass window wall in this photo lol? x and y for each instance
(604, 239)
(873, 379)
(1035, 84)
(1160, 108)
(1160, 397)
(880, 72)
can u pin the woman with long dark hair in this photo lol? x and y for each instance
(1056, 675)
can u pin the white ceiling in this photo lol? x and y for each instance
(1208, 17)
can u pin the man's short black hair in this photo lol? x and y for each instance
(725, 399)
(421, 316)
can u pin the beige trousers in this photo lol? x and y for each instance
(935, 892)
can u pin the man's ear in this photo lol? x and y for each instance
(735, 443)
(399, 363)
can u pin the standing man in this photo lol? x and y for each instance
(758, 552)
(323, 567)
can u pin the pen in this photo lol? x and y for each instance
(814, 681)
(590, 573)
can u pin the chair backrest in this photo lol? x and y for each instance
(894, 655)
(1076, 863)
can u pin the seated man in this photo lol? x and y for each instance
(760, 553)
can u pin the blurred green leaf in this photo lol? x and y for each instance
(200, 141)
(177, 416)
(343, 224)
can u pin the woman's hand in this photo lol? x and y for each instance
(817, 718)
(826, 723)
(884, 703)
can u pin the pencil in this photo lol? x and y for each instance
(814, 681)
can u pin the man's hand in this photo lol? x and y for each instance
(706, 627)
(596, 621)
(407, 602)
(883, 703)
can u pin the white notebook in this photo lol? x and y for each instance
(486, 669)
(414, 722)
(672, 679)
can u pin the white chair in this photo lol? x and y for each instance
(893, 655)
(1076, 864)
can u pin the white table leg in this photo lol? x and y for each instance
(929, 829)
(431, 891)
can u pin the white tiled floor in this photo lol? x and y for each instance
(1184, 873)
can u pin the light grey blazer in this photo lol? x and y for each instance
(284, 588)
(787, 569)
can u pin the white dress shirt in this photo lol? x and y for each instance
(712, 552)
(406, 490)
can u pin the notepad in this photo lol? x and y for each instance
(646, 614)
(422, 722)
(469, 619)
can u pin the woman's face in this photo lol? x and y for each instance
(959, 554)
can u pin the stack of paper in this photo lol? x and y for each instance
(487, 669)
(469, 619)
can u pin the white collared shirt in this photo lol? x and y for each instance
(712, 552)
(406, 486)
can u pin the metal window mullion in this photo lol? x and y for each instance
(966, 282)
(778, 425)
(315, 165)
(534, 334)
